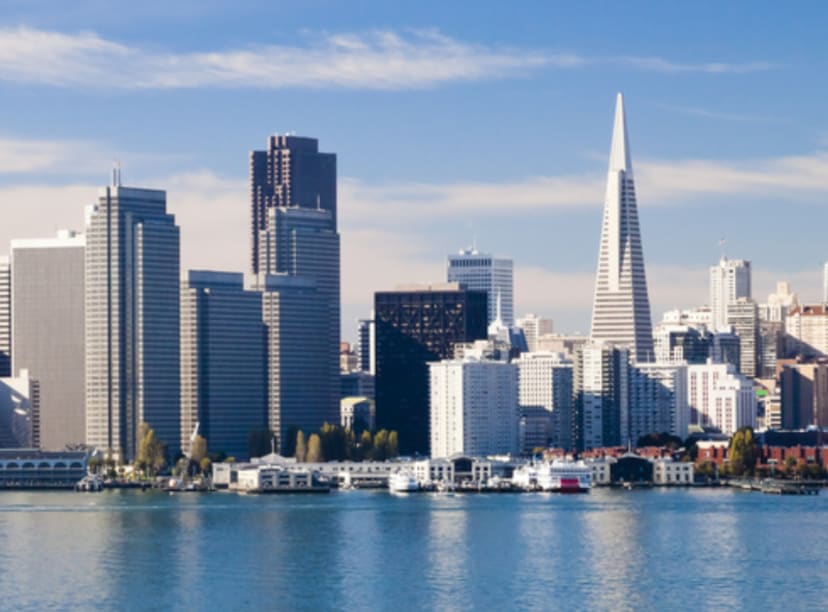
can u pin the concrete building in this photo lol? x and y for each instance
(621, 306)
(415, 325)
(358, 414)
(358, 384)
(132, 315)
(743, 318)
(658, 400)
(807, 329)
(19, 411)
(297, 354)
(365, 345)
(779, 304)
(726, 348)
(561, 343)
(5, 317)
(533, 328)
(48, 332)
(473, 408)
(729, 281)
(223, 362)
(545, 382)
(804, 391)
(601, 396)
(676, 343)
(291, 172)
(719, 396)
(485, 272)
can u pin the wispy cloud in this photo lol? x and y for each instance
(711, 114)
(380, 60)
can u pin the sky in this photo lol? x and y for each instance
(454, 123)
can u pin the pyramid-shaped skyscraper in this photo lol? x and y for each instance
(621, 308)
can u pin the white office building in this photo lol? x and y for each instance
(48, 332)
(473, 407)
(807, 329)
(718, 396)
(545, 382)
(485, 272)
(658, 400)
(729, 281)
(533, 328)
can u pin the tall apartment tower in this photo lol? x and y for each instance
(416, 325)
(132, 320)
(290, 173)
(293, 192)
(546, 384)
(223, 362)
(484, 272)
(621, 308)
(729, 281)
(48, 332)
(5, 317)
(601, 402)
(743, 317)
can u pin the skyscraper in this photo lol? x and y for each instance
(5, 317)
(48, 332)
(294, 218)
(729, 281)
(484, 272)
(132, 320)
(415, 325)
(290, 173)
(601, 403)
(223, 361)
(621, 308)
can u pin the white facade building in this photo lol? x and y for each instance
(729, 281)
(473, 407)
(621, 305)
(668, 472)
(546, 382)
(743, 317)
(719, 396)
(533, 328)
(484, 272)
(601, 395)
(779, 304)
(807, 329)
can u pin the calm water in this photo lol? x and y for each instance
(609, 550)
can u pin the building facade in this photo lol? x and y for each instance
(5, 317)
(48, 321)
(743, 318)
(416, 325)
(621, 306)
(729, 281)
(535, 327)
(807, 329)
(719, 396)
(223, 362)
(132, 321)
(658, 400)
(546, 383)
(473, 408)
(804, 391)
(601, 396)
(484, 272)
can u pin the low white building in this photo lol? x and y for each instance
(668, 472)
(601, 474)
(719, 396)
(357, 413)
(473, 407)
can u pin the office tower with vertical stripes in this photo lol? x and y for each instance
(621, 307)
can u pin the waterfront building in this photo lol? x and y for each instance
(473, 407)
(358, 414)
(729, 281)
(545, 383)
(297, 356)
(5, 316)
(804, 391)
(743, 318)
(621, 306)
(223, 362)
(658, 400)
(48, 332)
(601, 396)
(291, 172)
(415, 325)
(533, 328)
(19, 409)
(719, 396)
(668, 472)
(807, 329)
(485, 272)
(132, 320)
(28, 468)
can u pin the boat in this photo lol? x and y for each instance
(402, 482)
(558, 476)
(526, 477)
(90, 484)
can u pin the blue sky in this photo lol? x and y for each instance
(452, 121)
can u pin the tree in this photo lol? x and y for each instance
(314, 449)
(259, 441)
(301, 446)
(334, 440)
(393, 445)
(94, 464)
(199, 450)
(366, 445)
(660, 440)
(381, 445)
(790, 466)
(150, 456)
(205, 464)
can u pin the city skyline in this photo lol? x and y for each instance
(719, 150)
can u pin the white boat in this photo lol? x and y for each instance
(526, 477)
(560, 476)
(402, 482)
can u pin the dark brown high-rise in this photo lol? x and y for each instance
(290, 173)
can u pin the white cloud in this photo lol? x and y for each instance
(52, 156)
(381, 60)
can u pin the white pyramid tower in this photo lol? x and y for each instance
(621, 308)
